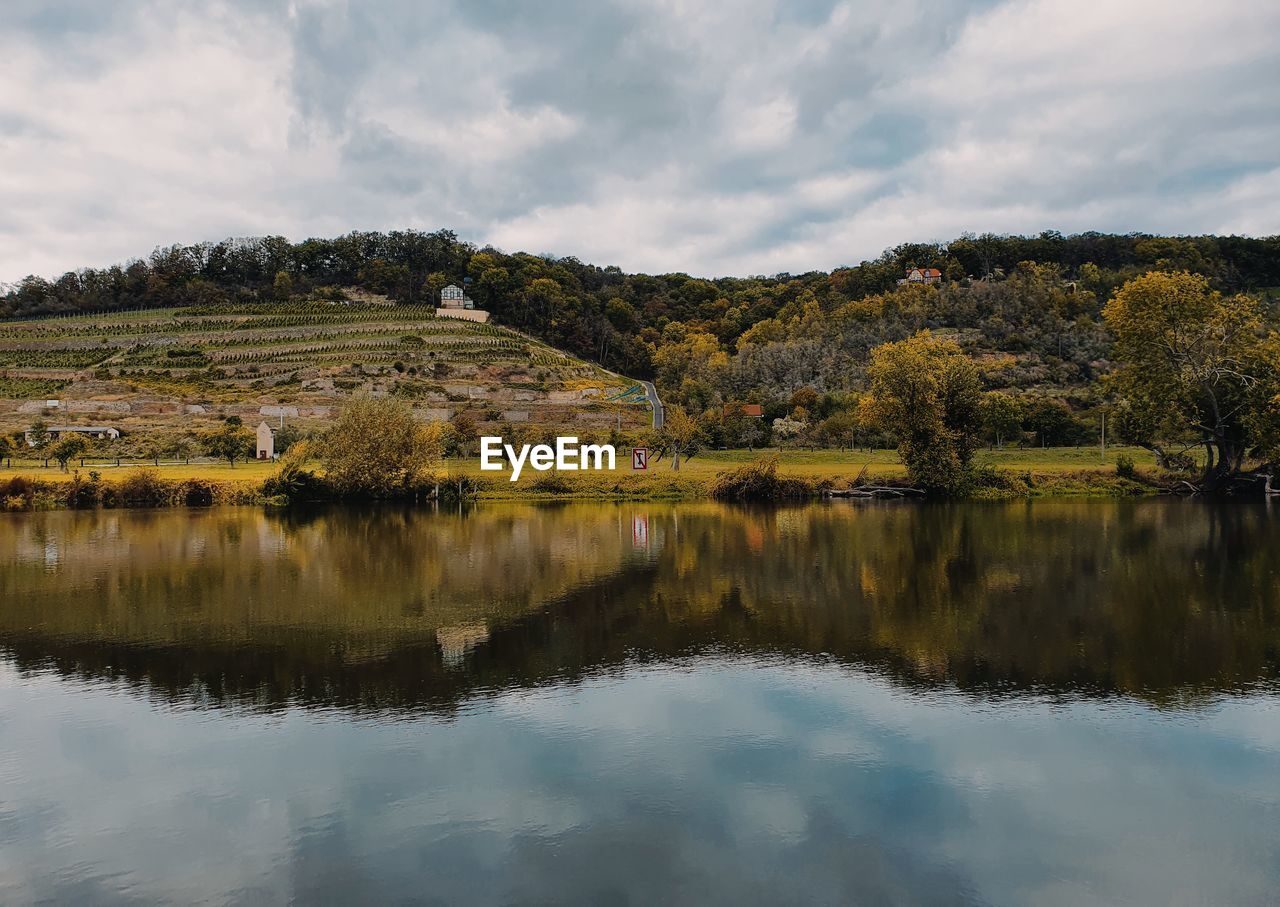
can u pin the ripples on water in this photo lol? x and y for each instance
(1065, 702)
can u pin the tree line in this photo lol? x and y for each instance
(623, 320)
(1056, 330)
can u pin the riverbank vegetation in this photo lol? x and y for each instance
(1008, 341)
(299, 476)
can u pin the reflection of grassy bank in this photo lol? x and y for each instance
(393, 607)
(1005, 474)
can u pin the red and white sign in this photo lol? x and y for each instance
(640, 458)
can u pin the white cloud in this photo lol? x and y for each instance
(652, 134)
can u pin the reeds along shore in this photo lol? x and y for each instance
(758, 481)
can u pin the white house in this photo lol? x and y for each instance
(455, 303)
(453, 297)
(95, 432)
(266, 442)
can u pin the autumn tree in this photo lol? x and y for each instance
(231, 442)
(1194, 367)
(377, 449)
(462, 435)
(926, 392)
(679, 435)
(67, 448)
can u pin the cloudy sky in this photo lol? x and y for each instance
(715, 138)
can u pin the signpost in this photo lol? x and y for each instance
(640, 458)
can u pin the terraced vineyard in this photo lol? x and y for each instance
(169, 367)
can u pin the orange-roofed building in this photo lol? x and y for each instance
(921, 275)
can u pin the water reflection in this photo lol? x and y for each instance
(1067, 702)
(1167, 600)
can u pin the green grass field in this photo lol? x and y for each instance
(806, 463)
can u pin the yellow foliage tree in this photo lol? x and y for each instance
(926, 392)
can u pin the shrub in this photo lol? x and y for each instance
(758, 481)
(197, 493)
(377, 449)
(1125, 468)
(143, 488)
(292, 481)
(83, 495)
(551, 483)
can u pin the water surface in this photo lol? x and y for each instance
(1061, 702)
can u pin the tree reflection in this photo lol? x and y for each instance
(1171, 601)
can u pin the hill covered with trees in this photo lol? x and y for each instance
(1026, 309)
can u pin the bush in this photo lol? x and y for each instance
(551, 483)
(377, 449)
(1125, 468)
(292, 482)
(81, 494)
(197, 493)
(143, 488)
(758, 481)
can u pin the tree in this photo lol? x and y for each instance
(926, 391)
(68, 447)
(282, 286)
(787, 429)
(679, 434)
(463, 435)
(377, 449)
(231, 442)
(38, 435)
(285, 437)
(839, 428)
(151, 449)
(1193, 365)
(180, 448)
(1001, 417)
(1052, 422)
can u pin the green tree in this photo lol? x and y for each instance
(926, 391)
(1001, 417)
(1052, 422)
(839, 428)
(377, 449)
(1193, 364)
(231, 442)
(286, 437)
(282, 286)
(180, 448)
(38, 435)
(68, 447)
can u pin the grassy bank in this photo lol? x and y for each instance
(1002, 474)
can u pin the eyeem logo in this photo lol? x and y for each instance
(567, 455)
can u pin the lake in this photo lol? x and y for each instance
(1057, 702)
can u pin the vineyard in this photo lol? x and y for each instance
(307, 356)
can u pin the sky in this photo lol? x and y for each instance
(657, 135)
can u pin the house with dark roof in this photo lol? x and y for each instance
(93, 432)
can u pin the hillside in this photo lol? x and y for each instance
(1026, 309)
(176, 369)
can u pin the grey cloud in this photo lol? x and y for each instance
(819, 132)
